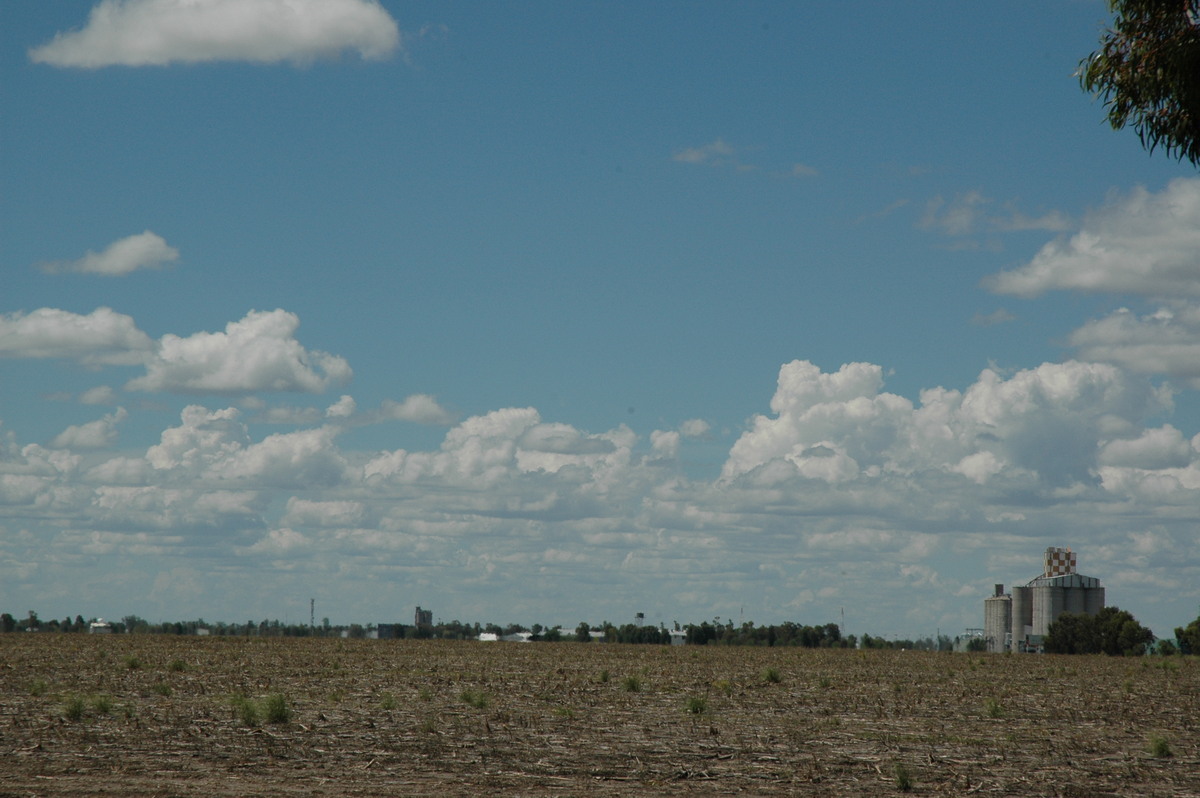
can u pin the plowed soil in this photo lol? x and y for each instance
(127, 715)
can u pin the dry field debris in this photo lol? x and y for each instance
(170, 716)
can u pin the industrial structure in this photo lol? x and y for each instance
(1018, 621)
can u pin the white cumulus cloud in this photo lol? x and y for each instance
(160, 32)
(1044, 424)
(344, 407)
(102, 337)
(695, 428)
(1165, 342)
(419, 407)
(258, 353)
(305, 458)
(1143, 243)
(1159, 448)
(146, 250)
(92, 435)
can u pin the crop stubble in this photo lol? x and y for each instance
(160, 717)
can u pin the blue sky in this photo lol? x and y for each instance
(553, 312)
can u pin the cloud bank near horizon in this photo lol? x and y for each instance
(842, 494)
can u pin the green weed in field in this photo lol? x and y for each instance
(1159, 746)
(474, 698)
(276, 708)
(632, 684)
(73, 708)
(904, 780)
(245, 710)
(771, 676)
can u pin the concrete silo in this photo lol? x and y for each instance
(997, 621)
(1022, 617)
(1034, 606)
(1048, 603)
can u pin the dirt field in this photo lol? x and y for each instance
(150, 715)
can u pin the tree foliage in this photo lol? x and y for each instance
(1188, 637)
(1147, 71)
(1111, 631)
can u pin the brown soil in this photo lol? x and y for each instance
(160, 717)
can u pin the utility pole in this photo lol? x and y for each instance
(312, 612)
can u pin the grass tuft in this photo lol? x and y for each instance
(993, 708)
(904, 780)
(1159, 747)
(245, 710)
(177, 666)
(388, 702)
(73, 708)
(38, 688)
(771, 676)
(696, 705)
(474, 698)
(101, 705)
(631, 684)
(133, 663)
(276, 709)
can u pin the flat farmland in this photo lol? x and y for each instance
(158, 715)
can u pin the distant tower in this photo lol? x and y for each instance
(422, 617)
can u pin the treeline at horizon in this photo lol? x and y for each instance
(705, 633)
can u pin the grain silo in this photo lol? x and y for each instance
(997, 621)
(1022, 617)
(1036, 605)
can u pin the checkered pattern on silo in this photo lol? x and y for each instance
(1059, 562)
